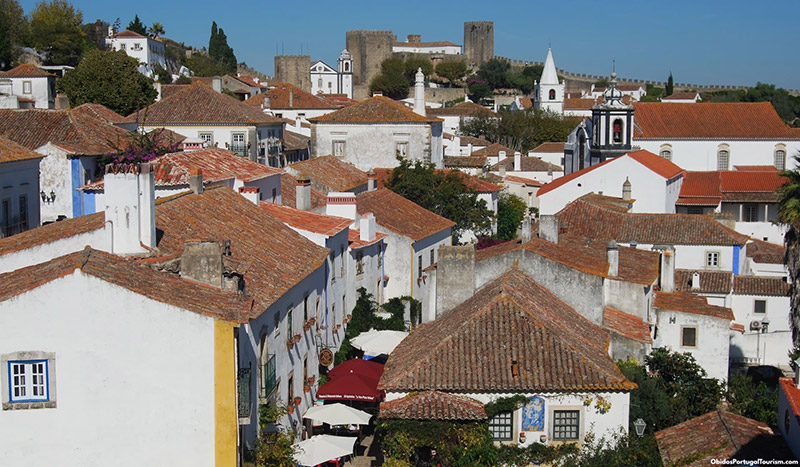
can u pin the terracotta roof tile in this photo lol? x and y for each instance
(522, 180)
(466, 140)
(199, 104)
(760, 285)
(764, 252)
(75, 131)
(493, 150)
(250, 81)
(473, 162)
(307, 220)
(27, 70)
(549, 147)
(354, 239)
(129, 33)
(719, 435)
(167, 90)
(576, 103)
(138, 278)
(745, 120)
(717, 282)
(433, 405)
(100, 111)
(690, 303)
(378, 109)
(279, 98)
(626, 325)
(52, 232)
(400, 215)
(497, 250)
(582, 217)
(703, 188)
(289, 193)
(792, 395)
(464, 109)
(13, 152)
(755, 168)
(657, 164)
(339, 100)
(526, 102)
(295, 141)
(275, 262)
(511, 318)
(527, 164)
(331, 173)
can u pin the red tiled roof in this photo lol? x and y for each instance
(426, 44)
(331, 173)
(680, 95)
(52, 232)
(248, 80)
(339, 100)
(764, 252)
(289, 193)
(717, 282)
(576, 103)
(354, 239)
(510, 319)
(719, 435)
(760, 285)
(464, 109)
(792, 395)
(401, 216)
(168, 90)
(526, 102)
(101, 112)
(522, 180)
(710, 188)
(466, 140)
(433, 405)
(288, 96)
(469, 162)
(129, 33)
(629, 326)
(138, 278)
(585, 218)
(690, 303)
(493, 150)
(200, 105)
(306, 220)
(527, 164)
(295, 141)
(26, 70)
(378, 109)
(275, 262)
(657, 164)
(745, 120)
(497, 250)
(76, 132)
(755, 168)
(549, 147)
(13, 152)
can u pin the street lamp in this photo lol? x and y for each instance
(639, 425)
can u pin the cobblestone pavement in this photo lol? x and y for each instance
(369, 454)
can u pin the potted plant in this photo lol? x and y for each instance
(290, 344)
(306, 327)
(297, 337)
(298, 400)
(306, 388)
(312, 321)
(290, 408)
(310, 380)
(338, 326)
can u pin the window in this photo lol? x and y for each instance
(380, 255)
(750, 213)
(319, 82)
(330, 85)
(338, 148)
(566, 425)
(290, 386)
(6, 217)
(305, 308)
(419, 266)
(552, 95)
(26, 87)
(688, 336)
(289, 323)
(341, 261)
(666, 154)
(238, 145)
(274, 195)
(695, 210)
(502, 426)
(137, 46)
(760, 306)
(723, 159)
(359, 263)
(276, 322)
(207, 138)
(28, 380)
(270, 382)
(23, 212)
(780, 159)
(712, 259)
(122, 46)
(401, 148)
(433, 257)
(617, 130)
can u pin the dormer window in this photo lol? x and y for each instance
(552, 94)
(617, 133)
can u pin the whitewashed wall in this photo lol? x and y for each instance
(702, 154)
(712, 347)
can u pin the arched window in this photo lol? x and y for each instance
(666, 152)
(346, 66)
(780, 157)
(723, 158)
(552, 94)
(617, 130)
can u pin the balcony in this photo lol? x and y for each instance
(269, 376)
(13, 229)
(240, 149)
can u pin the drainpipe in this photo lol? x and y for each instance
(411, 248)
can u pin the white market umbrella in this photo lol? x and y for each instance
(338, 414)
(322, 448)
(378, 342)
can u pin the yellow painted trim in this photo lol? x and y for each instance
(225, 410)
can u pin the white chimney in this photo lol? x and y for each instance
(626, 190)
(251, 193)
(341, 204)
(612, 253)
(372, 182)
(298, 124)
(517, 161)
(501, 156)
(130, 207)
(303, 194)
(469, 149)
(419, 93)
(696, 281)
(668, 270)
(548, 227)
(216, 84)
(502, 171)
(367, 227)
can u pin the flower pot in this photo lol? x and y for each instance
(306, 327)
(338, 326)
(349, 317)
(290, 409)
(297, 337)
(306, 388)
(310, 380)
(290, 344)
(312, 321)
(298, 401)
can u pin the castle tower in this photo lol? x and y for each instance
(344, 75)
(368, 49)
(294, 69)
(478, 42)
(549, 93)
(612, 125)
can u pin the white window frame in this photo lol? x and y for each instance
(712, 259)
(696, 337)
(780, 157)
(750, 208)
(401, 148)
(27, 87)
(338, 148)
(723, 157)
(43, 382)
(207, 137)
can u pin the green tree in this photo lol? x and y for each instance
(669, 88)
(510, 211)
(412, 64)
(184, 80)
(649, 401)
(442, 192)
(219, 50)
(156, 30)
(622, 450)
(203, 65)
(108, 78)
(451, 71)
(275, 446)
(521, 131)
(137, 26)
(391, 81)
(494, 72)
(789, 216)
(13, 29)
(787, 106)
(56, 31)
(756, 401)
(478, 89)
(164, 76)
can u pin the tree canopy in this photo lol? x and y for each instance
(156, 30)
(13, 29)
(108, 78)
(56, 31)
(521, 131)
(510, 212)
(494, 72)
(452, 71)
(220, 51)
(136, 25)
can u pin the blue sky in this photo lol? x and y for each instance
(701, 41)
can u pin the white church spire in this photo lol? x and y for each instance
(549, 74)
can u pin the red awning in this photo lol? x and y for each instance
(357, 366)
(351, 387)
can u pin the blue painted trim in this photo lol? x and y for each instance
(736, 250)
(77, 169)
(46, 385)
(89, 203)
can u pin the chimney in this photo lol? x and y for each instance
(303, 194)
(251, 193)
(517, 161)
(414, 38)
(612, 252)
(298, 124)
(341, 204)
(455, 277)
(196, 180)
(216, 84)
(291, 98)
(502, 171)
(372, 182)
(130, 207)
(367, 227)
(419, 93)
(696, 281)
(526, 229)
(377, 93)
(626, 190)
(501, 156)
(548, 227)
(202, 262)
(668, 270)
(469, 149)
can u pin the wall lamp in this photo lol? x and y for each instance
(51, 198)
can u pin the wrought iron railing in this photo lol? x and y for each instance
(269, 376)
(239, 149)
(244, 393)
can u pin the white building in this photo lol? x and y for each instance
(788, 419)
(548, 94)
(551, 152)
(682, 98)
(285, 100)
(326, 80)
(635, 91)
(414, 45)
(457, 116)
(149, 51)
(761, 305)
(27, 86)
(19, 177)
